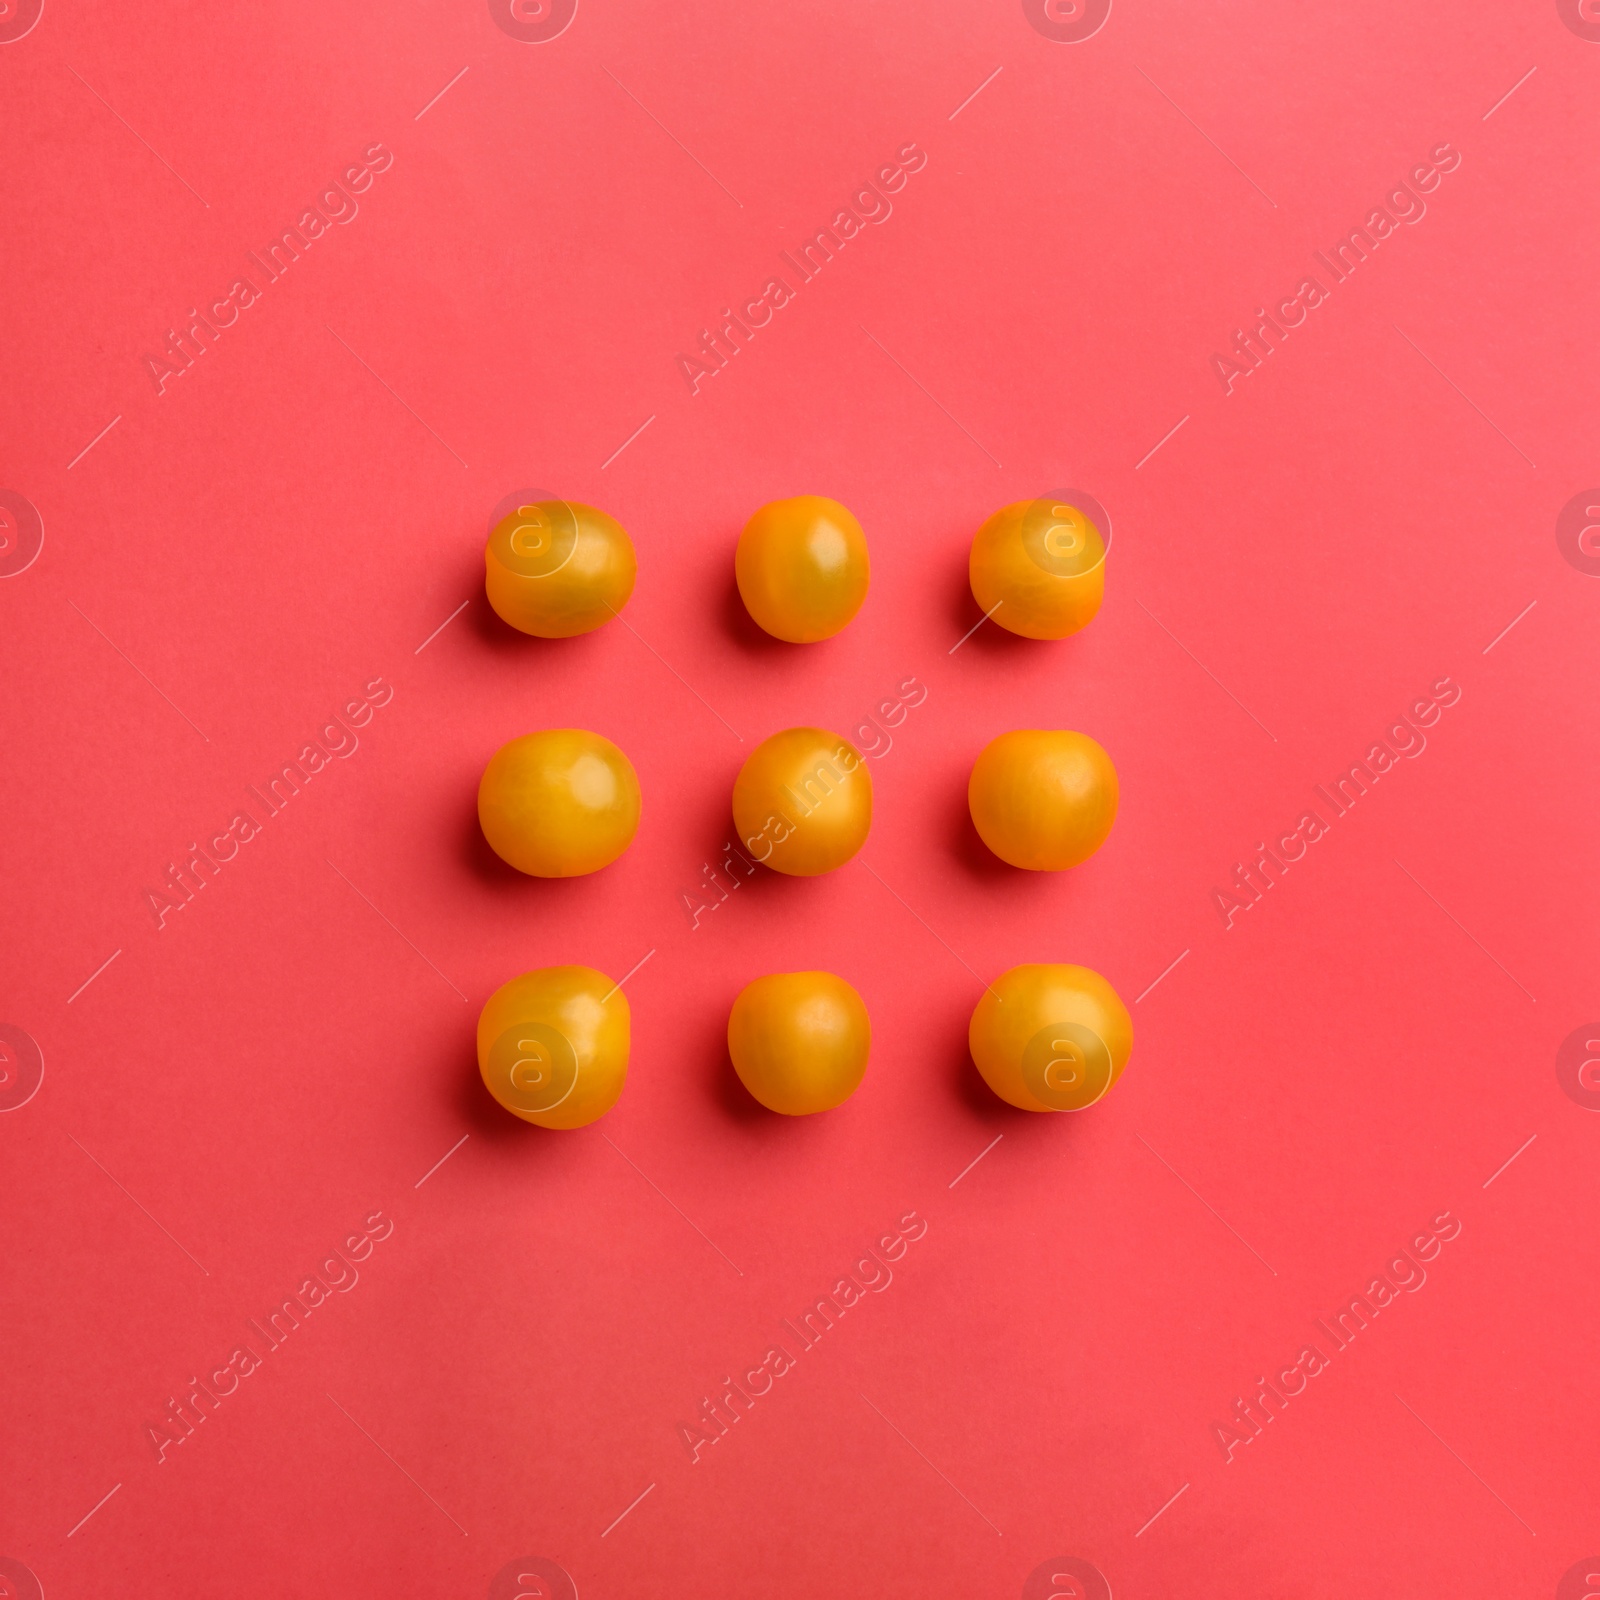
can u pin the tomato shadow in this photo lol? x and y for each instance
(967, 847)
(490, 630)
(743, 629)
(1053, 1132)
(960, 1074)
(988, 638)
(500, 877)
(762, 1128)
(973, 1094)
(968, 626)
(482, 1115)
(546, 1153)
(728, 1094)
(983, 866)
(736, 872)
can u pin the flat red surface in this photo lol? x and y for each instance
(300, 513)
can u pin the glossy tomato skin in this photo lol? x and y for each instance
(1038, 567)
(802, 568)
(559, 803)
(558, 568)
(1043, 798)
(553, 1045)
(799, 1041)
(1050, 1037)
(802, 803)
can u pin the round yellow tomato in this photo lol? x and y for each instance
(802, 568)
(799, 1041)
(557, 568)
(553, 1045)
(559, 803)
(803, 801)
(1039, 566)
(1050, 1037)
(1043, 798)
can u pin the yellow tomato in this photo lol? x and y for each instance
(557, 568)
(802, 568)
(559, 803)
(799, 1041)
(1040, 567)
(1043, 798)
(553, 1045)
(803, 801)
(1050, 1038)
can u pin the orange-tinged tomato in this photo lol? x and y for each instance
(803, 801)
(1039, 567)
(559, 803)
(802, 568)
(556, 568)
(553, 1045)
(1050, 1037)
(1043, 798)
(799, 1041)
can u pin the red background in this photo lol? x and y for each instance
(238, 555)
